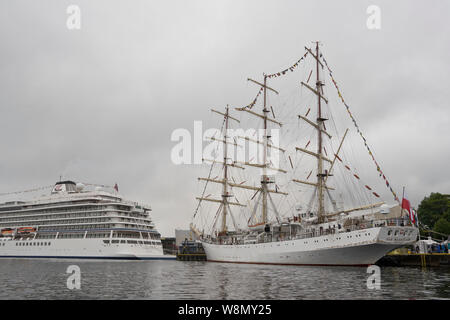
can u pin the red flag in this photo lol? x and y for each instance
(407, 206)
(116, 187)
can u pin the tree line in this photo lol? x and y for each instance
(434, 215)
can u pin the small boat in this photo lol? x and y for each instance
(26, 230)
(257, 226)
(7, 231)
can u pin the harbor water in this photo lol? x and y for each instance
(104, 279)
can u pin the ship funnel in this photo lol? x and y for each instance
(64, 187)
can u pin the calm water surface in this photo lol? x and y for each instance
(47, 279)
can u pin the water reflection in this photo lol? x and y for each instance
(46, 279)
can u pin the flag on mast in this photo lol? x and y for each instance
(116, 187)
(406, 205)
(415, 218)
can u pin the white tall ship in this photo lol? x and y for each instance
(74, 223)
(277, 216)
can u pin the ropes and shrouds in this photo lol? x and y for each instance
(49, 187)
(291, 68)
(26, 191)
(275, 75)
(357, 177)
(98, 185)
(359, 131)
(209, 176)
(256, 99)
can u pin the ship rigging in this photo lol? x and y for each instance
(311, 221)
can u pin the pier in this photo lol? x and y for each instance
(415, 260)
(191, 251)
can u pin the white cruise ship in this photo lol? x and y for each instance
(73, 223)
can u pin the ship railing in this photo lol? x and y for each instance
(359, 225)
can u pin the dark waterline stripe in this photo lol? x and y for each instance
(91, 257)
(294, 264)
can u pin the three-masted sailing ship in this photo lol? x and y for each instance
(293, 229)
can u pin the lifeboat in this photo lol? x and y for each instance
(7, 232)
(257, 226)
(25, 230)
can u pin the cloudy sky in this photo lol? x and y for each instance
(99, 104)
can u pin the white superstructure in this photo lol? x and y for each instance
(72, 223)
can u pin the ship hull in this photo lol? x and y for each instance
(79, 249)
(356, 248)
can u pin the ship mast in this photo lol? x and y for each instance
(224, 208)
(320, 121)
(264, 179)
(265, 191)
(320, 127)
(225, 194)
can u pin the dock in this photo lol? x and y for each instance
(415, 260)
(191, 251)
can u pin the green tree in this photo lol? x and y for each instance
(442, 226)
(432, 208)
(434, 212)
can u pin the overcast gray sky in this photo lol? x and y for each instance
(99, 104)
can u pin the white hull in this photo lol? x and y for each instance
(360, 247)
(78, 249)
